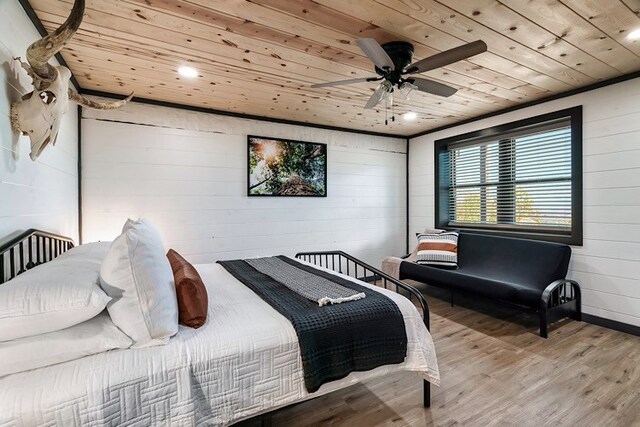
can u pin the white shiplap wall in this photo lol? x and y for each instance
(41, 194)
(186, 172)
(607, 266)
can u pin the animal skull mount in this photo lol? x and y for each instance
(39, 113)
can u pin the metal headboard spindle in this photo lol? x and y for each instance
(29, 249)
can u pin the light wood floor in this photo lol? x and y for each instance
(496, 371)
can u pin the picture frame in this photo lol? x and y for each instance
(278, 167)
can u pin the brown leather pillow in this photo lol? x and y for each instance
(190, 291)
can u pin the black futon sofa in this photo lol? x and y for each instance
(527, 274)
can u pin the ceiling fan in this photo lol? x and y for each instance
(395, 71)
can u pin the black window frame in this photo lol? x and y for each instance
(441, 184)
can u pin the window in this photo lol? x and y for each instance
(522, 179)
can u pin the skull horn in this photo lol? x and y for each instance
(86, 102)
(39, 53)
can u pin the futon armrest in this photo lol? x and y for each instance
(560, 292)
(561, 298)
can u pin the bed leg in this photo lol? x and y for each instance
(452, 298)
(265, 421)
(427, 394)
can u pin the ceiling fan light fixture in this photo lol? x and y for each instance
(387, 89)
(404, 90)
(188, 72)
(410, 116)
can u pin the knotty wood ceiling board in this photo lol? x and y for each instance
(259, 57)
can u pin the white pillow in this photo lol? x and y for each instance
(93, 336)
(55, 295)
(137, 275)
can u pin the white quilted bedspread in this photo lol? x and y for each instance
(244, 361)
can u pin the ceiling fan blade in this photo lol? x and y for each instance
(447, 57)
(346, 82)
(376, 53)
(375, 97)
(429, 86)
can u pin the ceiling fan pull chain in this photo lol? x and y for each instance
(386, 111)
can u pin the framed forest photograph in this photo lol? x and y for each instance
(281, 167)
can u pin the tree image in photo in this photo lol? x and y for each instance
(285, 168)
(469, 208)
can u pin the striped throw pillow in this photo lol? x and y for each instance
(438, 250)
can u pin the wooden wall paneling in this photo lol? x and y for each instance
(468, 84)
(357, 28)
(365, 67)
(587, 263)
(536, 50)
(497, 16)
(555, 75)
(565, 23)
(200, 43)
(248, 92)
(633, 5)
(364, 210)
(167, 66)
(157, 35)
(612, 17)
(236, 30)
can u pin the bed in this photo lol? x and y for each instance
(244, 362)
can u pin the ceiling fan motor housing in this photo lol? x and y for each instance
(401, 53)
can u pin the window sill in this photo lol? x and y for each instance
(574, 240)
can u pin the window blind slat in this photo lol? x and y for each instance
(519, 179)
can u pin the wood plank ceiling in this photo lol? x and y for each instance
(260, 56)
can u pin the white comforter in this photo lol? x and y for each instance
(244, 361)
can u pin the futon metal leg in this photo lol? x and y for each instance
(427, 394)
(451, 298)
(578, 314)
(543, 323)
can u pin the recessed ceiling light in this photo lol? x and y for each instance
(410, 115)
(188, 72)
(634, 35)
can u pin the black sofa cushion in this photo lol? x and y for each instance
(463, 280)
(532, 261)
(514, 270)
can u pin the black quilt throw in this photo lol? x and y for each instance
(336, 339)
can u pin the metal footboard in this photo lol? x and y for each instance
(351, 266)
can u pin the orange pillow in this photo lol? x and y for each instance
(190, 291)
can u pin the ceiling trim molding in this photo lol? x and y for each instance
(604, 83)
(43, 33)
(148, 101)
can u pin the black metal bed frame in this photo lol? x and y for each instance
(346, 264)
(28, 249)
